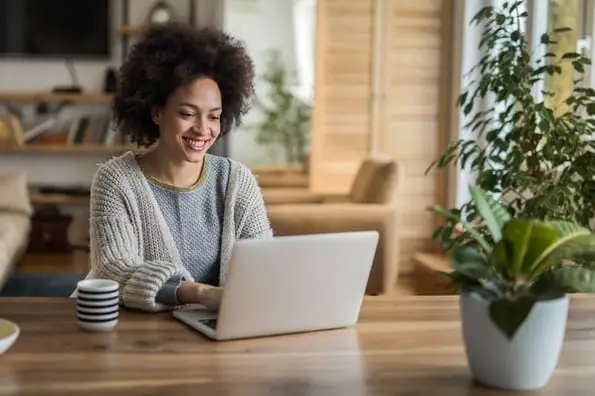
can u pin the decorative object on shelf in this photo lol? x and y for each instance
(110, 81)
(285, 118)
(513, 288)
(75, 86)
(11, 130)
(161, 12)
(535, 151)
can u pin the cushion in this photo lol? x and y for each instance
(374, 182)
(15, 193)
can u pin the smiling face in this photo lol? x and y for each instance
(190, 121)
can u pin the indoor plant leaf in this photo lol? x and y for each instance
(468, 261)
(573, 240)
(508, 314)
(526, 240)
(574, 279)
(470, 230)
(492, 212)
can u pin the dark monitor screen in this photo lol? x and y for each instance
(55, 28)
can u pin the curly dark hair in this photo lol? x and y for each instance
(169, 56)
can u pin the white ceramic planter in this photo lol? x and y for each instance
(525, 362)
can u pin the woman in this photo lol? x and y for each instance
(163, 223)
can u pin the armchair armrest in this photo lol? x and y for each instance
(336, 198)
(283, 196)
(346, 217)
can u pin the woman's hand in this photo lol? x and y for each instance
(200, 293)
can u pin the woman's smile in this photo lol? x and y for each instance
(196, 144)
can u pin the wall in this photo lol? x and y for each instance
(263, 25)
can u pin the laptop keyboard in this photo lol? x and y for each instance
(212, 323)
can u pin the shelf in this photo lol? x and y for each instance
(84, 97)
(57, 199)
(63, 149)
(128, 30)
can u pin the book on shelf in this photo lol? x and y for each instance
(86, 130)
(11, 130)
(94, 130)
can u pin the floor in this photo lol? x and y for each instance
(77, 263)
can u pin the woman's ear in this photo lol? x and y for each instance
(156, 115)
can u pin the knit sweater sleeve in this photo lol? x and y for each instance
(251, 209)
(115, 246)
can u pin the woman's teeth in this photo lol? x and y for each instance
(196, 144)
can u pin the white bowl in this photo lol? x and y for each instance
(9, 332)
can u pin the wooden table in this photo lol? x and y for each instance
(402, 346)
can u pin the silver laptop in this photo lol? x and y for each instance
(290, 284)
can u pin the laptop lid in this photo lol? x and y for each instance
(296, 283)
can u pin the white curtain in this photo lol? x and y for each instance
(304, 28)
(470, 56)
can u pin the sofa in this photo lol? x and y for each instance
(16, 213)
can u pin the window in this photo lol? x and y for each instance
(304, 28)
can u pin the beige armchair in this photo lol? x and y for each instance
(15, 221)
(370, 205)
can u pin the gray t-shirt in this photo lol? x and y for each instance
(194, 216)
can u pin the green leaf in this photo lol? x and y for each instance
(493, 214)
(526, 240)
(571, 55)
(459, 281)
(518, 233)
(562, 30)
(474, 234)
(578, 66)
(469, 261)
(508, 314)
(572, 240)
(574, 279)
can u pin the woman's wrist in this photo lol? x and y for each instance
(188, 293)
(194, 292)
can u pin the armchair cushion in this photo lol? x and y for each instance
(277, 196)
(346, 217)
(374, 181)
(15, 194)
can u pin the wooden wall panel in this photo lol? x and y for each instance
(413, 46)
(383, 72)
(341, 119)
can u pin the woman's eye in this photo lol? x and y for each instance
(186, 115)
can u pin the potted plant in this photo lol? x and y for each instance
(514, 286)
(285, 118)
(536, 152)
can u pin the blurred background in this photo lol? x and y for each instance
(354, 100)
